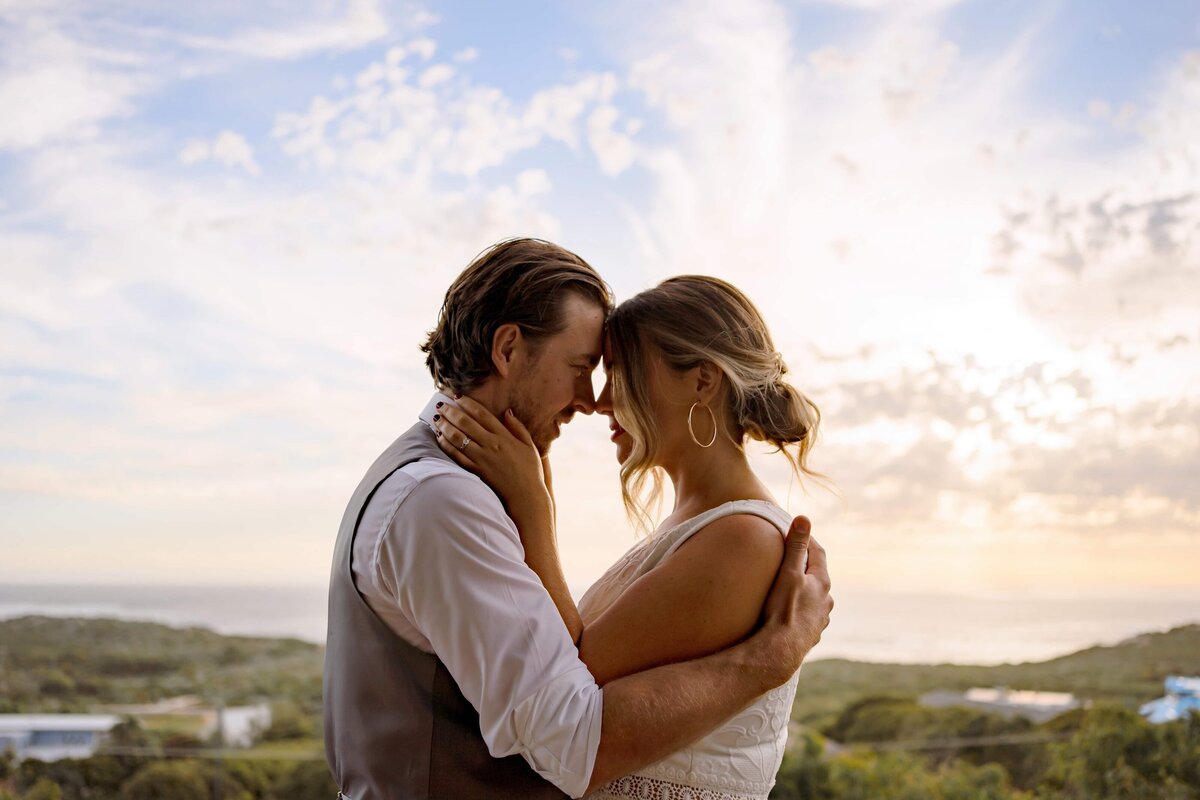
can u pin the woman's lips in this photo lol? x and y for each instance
(617, 430)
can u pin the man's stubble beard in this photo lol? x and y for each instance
(522, 410)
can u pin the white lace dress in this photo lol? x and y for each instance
(738, 760)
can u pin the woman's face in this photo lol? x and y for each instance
(669, 398)
(613, 407)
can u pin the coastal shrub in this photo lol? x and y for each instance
(182, 780)
(288, 721)
(309, 780)
(44, 789)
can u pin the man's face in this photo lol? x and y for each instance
(557, 379)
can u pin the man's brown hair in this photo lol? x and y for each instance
(520, 281)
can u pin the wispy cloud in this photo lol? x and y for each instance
(361, 23)
(405, 115)
(55, 86)
(229, 148)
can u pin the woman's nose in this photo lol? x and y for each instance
(604, 401)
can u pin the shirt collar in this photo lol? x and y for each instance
(430, 409)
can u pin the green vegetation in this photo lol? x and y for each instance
(1129, 673)
(876, 742)
(112, 778)
(864, 735)
(1103, 753)
(72, 665)
(55, 665)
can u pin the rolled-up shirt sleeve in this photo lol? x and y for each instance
(454, 560)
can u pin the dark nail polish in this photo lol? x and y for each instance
(438, 434)
(436, 417)
(439, 405)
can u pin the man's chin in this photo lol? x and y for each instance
(542, 443)
(546, 438)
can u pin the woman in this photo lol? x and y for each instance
(692, 374)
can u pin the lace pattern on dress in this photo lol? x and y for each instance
(641, 787)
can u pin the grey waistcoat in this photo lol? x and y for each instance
(396, 724)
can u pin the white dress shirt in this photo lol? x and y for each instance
(441, 563)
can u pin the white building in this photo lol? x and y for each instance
(1036, 706)
(240, 725)
(49, 737)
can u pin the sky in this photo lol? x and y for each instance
(972, 227)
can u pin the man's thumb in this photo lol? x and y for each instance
(797, 542)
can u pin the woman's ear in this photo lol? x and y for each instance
(708, 381)
(507, 343)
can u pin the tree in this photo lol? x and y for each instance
(1178, 751)
(1110, 757)
(178, 780)
(44, 789)
(287, 722)
(805, 772)
(309, 780)
(257, 776)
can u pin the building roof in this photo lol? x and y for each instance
(1184, 687)
(1183, 697)
(10, 723)
(1020, 697)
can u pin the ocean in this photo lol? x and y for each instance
(867, 625)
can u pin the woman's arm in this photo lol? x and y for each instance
(535, 523)
(705, 597)
(503, 454)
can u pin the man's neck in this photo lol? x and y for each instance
(491, 396)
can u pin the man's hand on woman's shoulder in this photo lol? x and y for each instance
(797, 609)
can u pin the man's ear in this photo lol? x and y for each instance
(507, 346)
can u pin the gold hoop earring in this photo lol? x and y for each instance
(691, 411)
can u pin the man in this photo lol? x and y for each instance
(448, 671)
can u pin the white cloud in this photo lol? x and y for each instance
(228, 148)
(466, 55)
(423, 47)
(860, 194)
(424, 19)
(54, 87)
(531, 182)
(615, 151)
(362, 23)
(437, 74)
(390, 124)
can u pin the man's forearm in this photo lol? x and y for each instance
(651, 714)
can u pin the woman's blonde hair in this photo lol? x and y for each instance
(686, 321)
